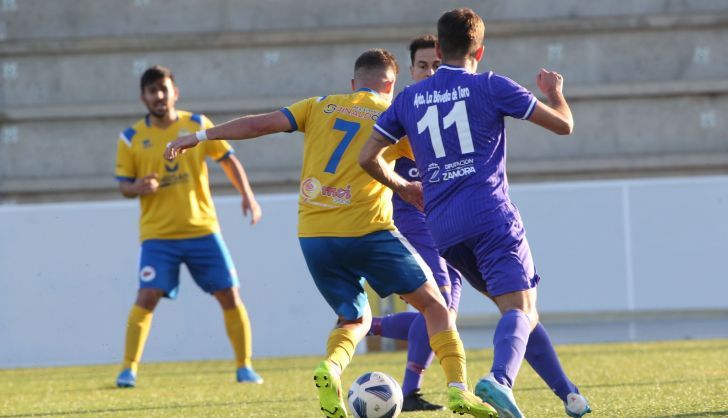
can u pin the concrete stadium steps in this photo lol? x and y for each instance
(647, 80)
(231, 67)
(41, 19)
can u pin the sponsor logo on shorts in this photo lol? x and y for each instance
(147, 274)
(311, 188)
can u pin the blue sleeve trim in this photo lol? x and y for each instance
(126, 179)
(291, 119)
(127, 135)
(197, 118)
(386, 134)
(227, 154)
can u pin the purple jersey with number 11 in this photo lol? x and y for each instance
(455, 123)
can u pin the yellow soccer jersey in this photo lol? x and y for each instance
(182, 207)
(337, 197)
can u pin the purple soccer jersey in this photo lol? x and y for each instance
(406, 216)
(455, 123)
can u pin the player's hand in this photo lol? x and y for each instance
(147, 184)
(251, 206)
(411, 192)
(179, 146)
(549, 82)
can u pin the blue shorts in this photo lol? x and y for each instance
(496, 262)
(339, 267)
(207, 258)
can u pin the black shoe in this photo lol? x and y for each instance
(414, 402)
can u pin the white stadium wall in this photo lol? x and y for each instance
(68, 271)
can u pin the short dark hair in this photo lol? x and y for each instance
(460, 33)
(376, 59)
(421, 42)
(155, 73)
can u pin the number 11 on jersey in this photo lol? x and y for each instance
(459, 116)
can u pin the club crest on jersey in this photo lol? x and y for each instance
(147, 274)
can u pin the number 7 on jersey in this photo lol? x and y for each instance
(350, 130)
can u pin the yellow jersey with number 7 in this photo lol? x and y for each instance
(337, 198)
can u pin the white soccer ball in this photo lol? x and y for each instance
(375, 395)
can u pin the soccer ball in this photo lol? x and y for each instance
(375, 395)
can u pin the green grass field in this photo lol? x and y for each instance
(665, 379)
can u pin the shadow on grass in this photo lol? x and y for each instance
(697, 414)
(632, 384)
(153, 408)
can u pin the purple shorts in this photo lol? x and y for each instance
(419, 236)
(496, 262)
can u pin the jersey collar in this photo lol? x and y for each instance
(148, 121)
(367, 89)
(451, 68)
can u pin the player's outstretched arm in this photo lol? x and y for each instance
(236, 174)
(372, 161)
(556, 115)
(245, 127)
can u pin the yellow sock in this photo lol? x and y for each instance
(137, 331)
(340, 347)
(449, 350)
(237, 325)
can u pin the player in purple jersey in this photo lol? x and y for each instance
(455, 122)
(410, 221)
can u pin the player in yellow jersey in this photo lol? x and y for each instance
(178, 222)
(345, 226)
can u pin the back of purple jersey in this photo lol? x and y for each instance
(406, 215)
(455, 122)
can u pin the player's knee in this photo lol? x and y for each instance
(435, 306)
(533, 317)
(228, 298)
(148, 298)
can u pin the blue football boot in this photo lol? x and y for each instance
(248, 375)
(126, 379)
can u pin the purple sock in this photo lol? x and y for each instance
(419, 355)
(376, 327)
(509, 346)
(397, 325)
(540, 354)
